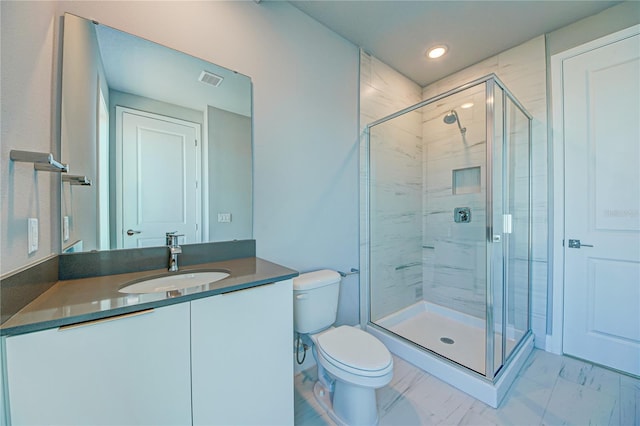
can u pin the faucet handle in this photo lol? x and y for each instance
(172, 238)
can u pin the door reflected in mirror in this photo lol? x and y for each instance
(164, 137)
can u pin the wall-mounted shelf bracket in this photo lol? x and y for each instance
(41, 161)
(76, 180)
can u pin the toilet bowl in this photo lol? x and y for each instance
(351, 363)
(353, 355)
(354, 364)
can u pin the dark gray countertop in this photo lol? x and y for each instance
(86, 299)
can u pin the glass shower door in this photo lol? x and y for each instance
(517, 200)
(510, 237)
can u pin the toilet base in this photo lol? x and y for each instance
(358, 404)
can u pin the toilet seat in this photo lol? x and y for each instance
(354, 351)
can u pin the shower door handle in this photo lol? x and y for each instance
(577, 244)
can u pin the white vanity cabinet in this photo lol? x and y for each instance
(242, 368)
(219, 360)
(128, 370)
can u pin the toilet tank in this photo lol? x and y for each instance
(315, 300)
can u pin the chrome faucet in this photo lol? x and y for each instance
(174, 250)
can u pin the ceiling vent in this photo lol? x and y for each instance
(210, 78)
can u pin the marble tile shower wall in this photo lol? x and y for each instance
(396, 184)
(523, 70)
(454, 254)
(397, 158)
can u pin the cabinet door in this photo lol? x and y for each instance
(242, 357)
(130, 370)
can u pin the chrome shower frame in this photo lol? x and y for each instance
(492, 387)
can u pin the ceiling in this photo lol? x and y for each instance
(400, 32)
(140, 67)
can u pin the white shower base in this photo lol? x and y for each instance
(425, 324)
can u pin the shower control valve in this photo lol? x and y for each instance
(462, 215)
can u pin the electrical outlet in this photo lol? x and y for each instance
(32, 232)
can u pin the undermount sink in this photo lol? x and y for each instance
(173, 282)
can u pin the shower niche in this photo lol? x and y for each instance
(466, 181)
(447, 252)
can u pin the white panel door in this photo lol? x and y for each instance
(159, 179)
(602, 205)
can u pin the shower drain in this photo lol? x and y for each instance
(447, 340)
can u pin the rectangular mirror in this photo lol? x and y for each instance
(164, 138)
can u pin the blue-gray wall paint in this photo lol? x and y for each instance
(305, 81)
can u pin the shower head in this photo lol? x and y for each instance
(452, 117)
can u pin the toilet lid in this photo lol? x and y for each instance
(354, 348)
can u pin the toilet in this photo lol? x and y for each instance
(352, 364)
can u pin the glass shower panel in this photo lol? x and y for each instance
(395, 198)
(454, 237)
(427, 226)
(448, 219)
(517, 198)
(496, 240)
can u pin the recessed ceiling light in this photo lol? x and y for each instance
(437, 51)
(467, 105)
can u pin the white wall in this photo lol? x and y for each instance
(28, 96)
(230, 179)
(305, 120)
(616, 18)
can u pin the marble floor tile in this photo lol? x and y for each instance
(405, 412)
(550, 390)
(542, 367)
(628, 402)
(578, 405)
(405, 377)
(307, 410)
(524, 404)
(441, 400)
(591, 376)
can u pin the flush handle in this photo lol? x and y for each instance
(577, 244)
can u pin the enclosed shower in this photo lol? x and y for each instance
(448, 234)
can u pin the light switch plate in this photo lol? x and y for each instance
(32, 231)
(65, 228)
